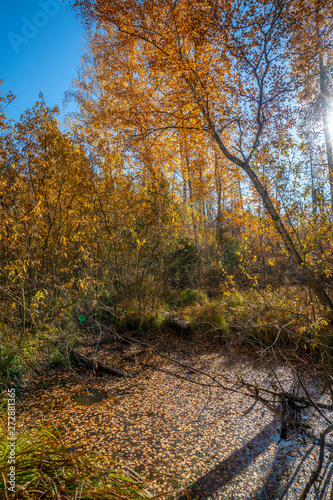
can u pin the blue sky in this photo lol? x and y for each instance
(41, 45)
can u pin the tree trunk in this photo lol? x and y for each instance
(324, 105)
(194, 219)
(311, 280)
(179, 323)
(324, 114)
(219, 222)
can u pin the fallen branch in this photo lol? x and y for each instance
(284, 397)
(97, 344)
(95, 365)
(290, 397)
(176, 375)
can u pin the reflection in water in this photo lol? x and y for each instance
(95, 396)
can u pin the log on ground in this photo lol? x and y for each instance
(95, 365)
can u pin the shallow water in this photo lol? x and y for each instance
(95, 396)
(175, 432)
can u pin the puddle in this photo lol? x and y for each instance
(95, 396)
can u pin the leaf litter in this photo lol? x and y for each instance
(181, 435)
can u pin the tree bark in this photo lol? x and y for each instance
(324, 105)
(193, 216)
(218, 187)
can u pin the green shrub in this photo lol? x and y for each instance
(188, 297)
(56, 358)
(19, 356)
(10, 366)
(10, 360)
(214, 277)
(230, 248)
(209, 320)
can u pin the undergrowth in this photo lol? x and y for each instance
(22, 355)
(285, 318)
(281, 318)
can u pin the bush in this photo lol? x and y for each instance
(261, 320)
(230, 247)
(20, 356)
(10, 366)
(209, 320)
(135, 319)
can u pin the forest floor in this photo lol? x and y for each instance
(178, 433)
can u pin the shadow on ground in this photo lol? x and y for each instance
(273, 484)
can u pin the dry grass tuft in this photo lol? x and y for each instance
(46, 469)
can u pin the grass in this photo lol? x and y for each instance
(34, 351)
(183, 298)
(284, 318)
(46, 469)
(143, 321)
(260, 318)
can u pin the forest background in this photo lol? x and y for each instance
(199, 167)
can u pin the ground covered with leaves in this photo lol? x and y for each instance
(178, 429)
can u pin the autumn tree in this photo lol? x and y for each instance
(227, 64)
(136, 209)
(45, 184)
(117, 104)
